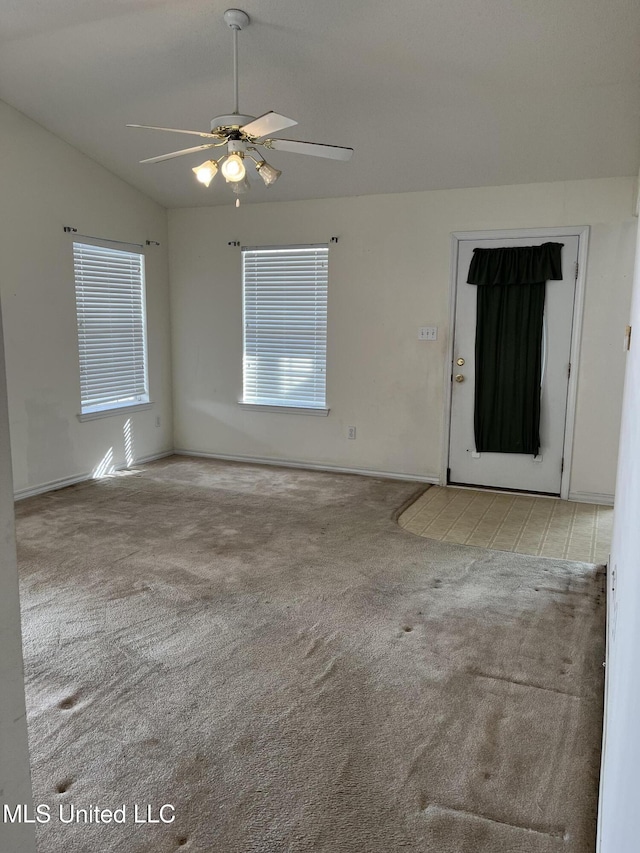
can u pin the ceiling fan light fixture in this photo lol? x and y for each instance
(206, 172)
(233, 168)
(269, 174)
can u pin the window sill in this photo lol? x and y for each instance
(115, 410)
(287, 410)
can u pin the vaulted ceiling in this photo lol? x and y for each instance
(431, 94)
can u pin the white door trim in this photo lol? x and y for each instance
(581, 231)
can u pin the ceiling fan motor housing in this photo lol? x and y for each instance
(234, 120)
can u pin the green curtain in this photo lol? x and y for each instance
(510, 307)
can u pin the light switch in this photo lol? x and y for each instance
(428, 333)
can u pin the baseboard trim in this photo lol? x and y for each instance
(312, 466)
(54, 485)
(591, 498)
(51, 486)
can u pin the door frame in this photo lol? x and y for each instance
(580, 231)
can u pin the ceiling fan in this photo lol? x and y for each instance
(238, 135)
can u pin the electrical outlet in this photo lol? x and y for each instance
(351, 432)
(157, 420)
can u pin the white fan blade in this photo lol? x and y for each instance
(177, 153)
(316, 149)
(175, 130)
(268, 123)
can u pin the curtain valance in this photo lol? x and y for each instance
(516, 264)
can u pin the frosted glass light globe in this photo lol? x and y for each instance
(206, 172)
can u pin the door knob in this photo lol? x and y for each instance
(460, 362)
(459, 377)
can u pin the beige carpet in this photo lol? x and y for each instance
(525, 524)
(270, 653)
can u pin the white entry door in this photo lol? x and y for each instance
(542, 473)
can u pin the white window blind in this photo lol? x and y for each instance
(110, 305)
(285, 325)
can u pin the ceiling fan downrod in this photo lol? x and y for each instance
(236, 19)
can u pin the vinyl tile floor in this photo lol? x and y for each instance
(525, 524)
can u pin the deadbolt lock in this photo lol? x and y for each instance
(460, 362)
(459, 377)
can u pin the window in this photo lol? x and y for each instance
(110, 306)
(285, 326)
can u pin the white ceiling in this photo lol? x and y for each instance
(431, 94)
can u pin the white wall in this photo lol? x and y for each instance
(619, 825)
(47, 184)
(15, 781)
(389, 274)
